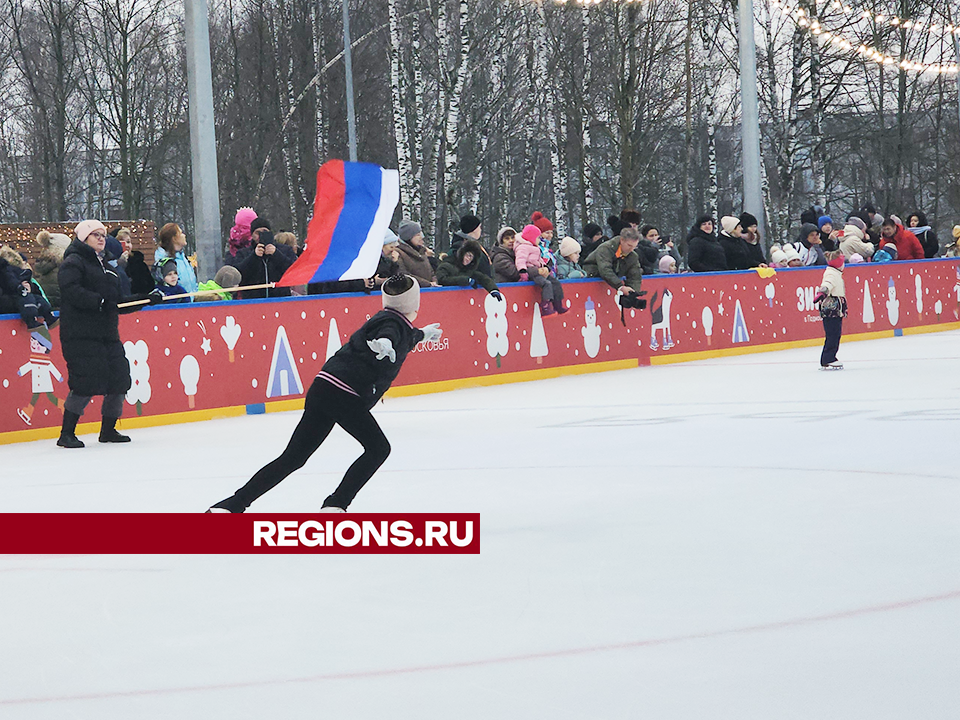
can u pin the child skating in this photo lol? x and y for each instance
(833, 309)
(343, 393)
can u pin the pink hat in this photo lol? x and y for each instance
(530, 233)
(86, 227)
(245, 216)
(856, 258)
(665, 262)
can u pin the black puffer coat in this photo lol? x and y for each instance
(89, 323)
(704, 252)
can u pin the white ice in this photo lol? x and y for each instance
(739, 538)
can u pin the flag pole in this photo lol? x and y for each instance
(132, 303)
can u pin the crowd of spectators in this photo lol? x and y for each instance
(255, 257)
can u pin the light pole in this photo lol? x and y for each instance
(348, 72)
(750, 118)
(203, 140)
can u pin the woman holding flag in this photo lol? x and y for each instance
(343, 393)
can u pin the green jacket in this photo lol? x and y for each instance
(604, 263)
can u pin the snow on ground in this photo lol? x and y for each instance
(739, 538)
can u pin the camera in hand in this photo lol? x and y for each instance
(633, 299)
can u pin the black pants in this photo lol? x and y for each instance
(325, 406)
(112, 404)
(832, 330)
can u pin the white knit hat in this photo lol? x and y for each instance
(729, 223)
(401, 293)
(569, 246)
(778, 256)
(791, 252)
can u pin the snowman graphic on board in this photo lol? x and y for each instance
(893, 305)
(590, 331)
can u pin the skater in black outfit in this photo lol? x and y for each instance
(343, 393)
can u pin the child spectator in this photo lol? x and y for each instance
(546, 233)
(833, 309)
(793, 257)
(289, 240)
(503, 258)
(19, 294)
(462, 268)
(241, 236)
(213, 290)
(778, 258)
(829, 237)
(887, 253)
(170, 284)
(856, 258)
(568, 266)
(667, 265)
(531, 260)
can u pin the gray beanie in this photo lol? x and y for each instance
(227, 276)
(409, 230)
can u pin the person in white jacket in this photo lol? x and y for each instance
(833, 309)
(854, 242)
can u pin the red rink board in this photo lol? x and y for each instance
(206, 356)
(238, 534)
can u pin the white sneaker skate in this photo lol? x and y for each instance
(835, 365)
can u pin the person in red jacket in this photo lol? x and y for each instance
(908, 247)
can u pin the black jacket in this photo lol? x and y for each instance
(357, 365)
(256, 270)
(452, 271)
(89, 323)
(649, 254)
(736, 252)
(705, 253)
(483, 262)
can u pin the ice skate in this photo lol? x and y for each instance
(331, 508)
(835, 365)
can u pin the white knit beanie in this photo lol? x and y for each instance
(729, 223)
(569, 246)
(401, 293)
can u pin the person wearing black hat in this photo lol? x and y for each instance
(471, 229)
(751, 235)
(704, 251)
(347, 388)
(592, 239)
(264, 262)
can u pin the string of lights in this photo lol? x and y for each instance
(838, 39)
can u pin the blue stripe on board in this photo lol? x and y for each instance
(898, 332)
(360, 204)
(257, 409)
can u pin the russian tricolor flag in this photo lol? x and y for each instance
(351, 215)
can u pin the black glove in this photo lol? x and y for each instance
(496, 294)
(107, 305)
(155, 296)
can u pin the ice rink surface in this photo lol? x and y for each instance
(738, 538)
